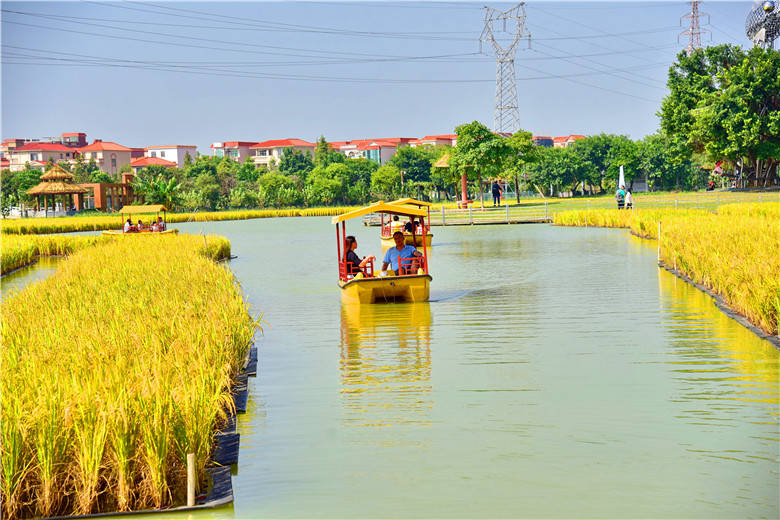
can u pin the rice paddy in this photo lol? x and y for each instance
(38, 226)
(113, 369)
(735, 252)
(18, 251)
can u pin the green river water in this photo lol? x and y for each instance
(556, 372)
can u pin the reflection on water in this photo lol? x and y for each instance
(386, 364)
(726, 376)
(18, 280)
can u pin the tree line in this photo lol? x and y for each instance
(723, 107)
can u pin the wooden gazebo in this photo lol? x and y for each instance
(56, 181)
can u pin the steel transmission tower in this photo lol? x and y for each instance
(507, 113)
(694, 30)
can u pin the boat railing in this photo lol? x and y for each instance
(345, 272)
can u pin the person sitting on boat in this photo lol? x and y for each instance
(140, 225)
(155, 227)
(395, 225)
(128, 226)
(160, 224)
(354, 264)
(396, 256)
(411, 226)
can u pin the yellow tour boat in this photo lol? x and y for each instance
(139, 229)
(420, 234)
(411, 284)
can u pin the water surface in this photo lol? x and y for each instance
(557, 372)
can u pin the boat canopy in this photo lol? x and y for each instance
(380, 207)
(135, 210)
(412, 202)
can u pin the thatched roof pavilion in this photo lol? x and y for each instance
(56, 181)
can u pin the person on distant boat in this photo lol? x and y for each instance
(354, 264)
(160, 224)
(395, 225)
(154, 227)
(140, 225)
(397, 257)
(128, 226)
(411, 226)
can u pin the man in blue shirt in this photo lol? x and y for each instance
(401, 251)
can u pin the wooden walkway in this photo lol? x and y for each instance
(473, 216)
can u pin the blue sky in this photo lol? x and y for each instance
(158, 73)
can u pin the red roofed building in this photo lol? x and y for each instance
(566, 140)
(143, 162)
(35, 153)
(236, 150)
(4, 163)
(273, 149)
(433, 140)
(377, 150)
(109, 156)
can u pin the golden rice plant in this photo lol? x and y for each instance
(18, 251)
(738, 257)
(140, 340)
(756, 209)
(38, 226)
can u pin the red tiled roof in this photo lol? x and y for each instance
(281, 143)
(438, 137)
(73, 134)
(541, 137)
(172, 146)
(149, 161)
(4, 162)
(234, 144)
(46, 147)
(105, 146)
(563, 138)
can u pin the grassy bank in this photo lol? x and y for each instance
(735, 252)
(113, 369)
(38, 226)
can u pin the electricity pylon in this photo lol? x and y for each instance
(694, 30)
(507, 113)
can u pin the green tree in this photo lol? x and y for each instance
(99, 176)
(295, 162)
(247, 172)
(278, 190)
(324, 154)
(741, 119)
(692, 78)
(157, 190)
(523, 153)
(208, 191)
(414, 162)
(386, 182)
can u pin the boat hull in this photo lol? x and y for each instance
(116, 232)
(410, 288)
(416, 241)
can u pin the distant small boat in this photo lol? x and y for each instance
(421, 236)
(135, 230)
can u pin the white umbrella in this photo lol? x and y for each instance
(622, 181)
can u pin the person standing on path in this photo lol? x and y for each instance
(496, 189)
(620, 196)
(629, 201)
